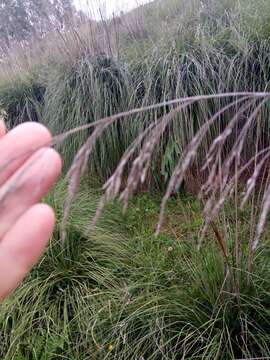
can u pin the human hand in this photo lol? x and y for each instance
(25, 224)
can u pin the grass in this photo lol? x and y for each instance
(121, 293)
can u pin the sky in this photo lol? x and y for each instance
(107, 7)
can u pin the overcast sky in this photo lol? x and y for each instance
(108, 7)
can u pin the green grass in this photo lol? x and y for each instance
(121, 293)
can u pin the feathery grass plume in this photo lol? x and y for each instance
(147, 142)
(223, 187)
(151, 137)
(80, 162)
(222, 175)
(251, 183)
(186, 161)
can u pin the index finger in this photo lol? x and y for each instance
(19, 144)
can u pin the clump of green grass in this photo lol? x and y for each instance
(22, 98)
(81, 93)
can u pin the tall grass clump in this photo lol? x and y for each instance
(83, 92)
(92, 88)
(21, 98)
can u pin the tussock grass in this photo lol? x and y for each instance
(82, 93)
(22, 98)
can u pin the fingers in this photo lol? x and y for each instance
(2, 128)
(18, 145)
(23, 245)
(27, 186)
